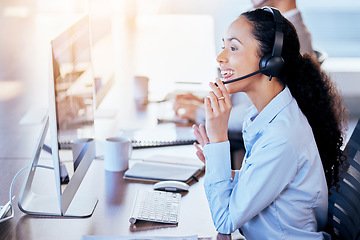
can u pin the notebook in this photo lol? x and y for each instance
(161, 168)
(166, 134)
(160, 143)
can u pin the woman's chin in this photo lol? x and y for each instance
(233, 89)
(230, 89)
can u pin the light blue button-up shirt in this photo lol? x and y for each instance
(280, 192)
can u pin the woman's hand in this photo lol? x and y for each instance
(188, 96)
(202, 138)
(217, 109)
(186, 109)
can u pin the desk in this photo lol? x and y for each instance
(111, 215)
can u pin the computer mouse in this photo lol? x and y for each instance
(171, 186)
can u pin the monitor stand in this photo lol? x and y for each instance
(50, 205)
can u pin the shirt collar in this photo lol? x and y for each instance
(256, 122)
(290, 13)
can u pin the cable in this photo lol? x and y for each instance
(13, 182)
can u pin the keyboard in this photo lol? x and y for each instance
(156, 206)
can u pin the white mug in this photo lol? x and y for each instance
(117, 154)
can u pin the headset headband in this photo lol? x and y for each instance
(279, 35)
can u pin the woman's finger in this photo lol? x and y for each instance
(208, 108)
(199, 153)
(222, 97)
(198, 135)
(197, 147)
(204, 134)
(216, 90)
(201, 156)
(214, 103)
(223, 90)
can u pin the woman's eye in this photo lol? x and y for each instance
(223, 47)
(233, 48)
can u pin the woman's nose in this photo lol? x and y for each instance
(221, 58)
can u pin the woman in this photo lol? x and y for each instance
(292, 135)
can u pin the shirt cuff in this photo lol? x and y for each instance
(218, 164)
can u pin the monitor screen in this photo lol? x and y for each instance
(73, 82)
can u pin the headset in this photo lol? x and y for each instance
(271, 64)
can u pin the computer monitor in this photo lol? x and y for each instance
(71, 114)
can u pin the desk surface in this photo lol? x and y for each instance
(111, 215)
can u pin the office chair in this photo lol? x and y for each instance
(344, 203)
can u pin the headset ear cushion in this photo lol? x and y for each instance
(271, 65)
(263, 64)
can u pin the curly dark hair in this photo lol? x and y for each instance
(315, 93)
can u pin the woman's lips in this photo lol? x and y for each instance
(227, 74)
